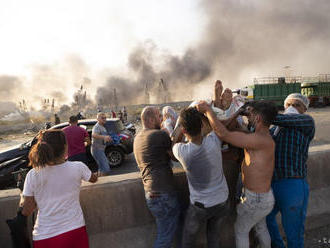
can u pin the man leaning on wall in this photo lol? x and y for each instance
(152, 151)
(292, 134)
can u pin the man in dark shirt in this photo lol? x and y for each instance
(292, 134)
(152, 148)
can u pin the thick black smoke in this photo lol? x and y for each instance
(241, 39)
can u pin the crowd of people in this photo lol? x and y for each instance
(270, 152)
(272, 170)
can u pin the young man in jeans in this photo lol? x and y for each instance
(257, 199)
(202, 161)
(152, 150)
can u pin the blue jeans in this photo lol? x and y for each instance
(101, 160)
(291, 199)
(166, 209)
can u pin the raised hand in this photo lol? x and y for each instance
(202, 107)
(218, 88)
(226, 99)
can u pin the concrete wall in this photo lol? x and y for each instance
(116, 214)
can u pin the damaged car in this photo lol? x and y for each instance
(16, 158)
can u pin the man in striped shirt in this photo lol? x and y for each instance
(292, 134)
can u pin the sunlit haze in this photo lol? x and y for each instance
(49, 49)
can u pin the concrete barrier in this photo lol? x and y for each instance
(116, 214)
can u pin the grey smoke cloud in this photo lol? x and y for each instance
(47, 81)
(7, 107)
(59, 96)
(9, 86)
(242, 39)
(265, 36)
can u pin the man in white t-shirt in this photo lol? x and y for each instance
(202, 160)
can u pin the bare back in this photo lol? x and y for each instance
(258, 165)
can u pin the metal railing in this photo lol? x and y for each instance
(295, 79)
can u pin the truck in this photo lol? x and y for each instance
(276, 89)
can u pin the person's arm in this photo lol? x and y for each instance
(96, 135)
(294, 121)
(93, 178)
(87, 140)
(28, 204)
(239, 139)
(86, 173)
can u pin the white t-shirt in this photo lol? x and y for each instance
(56, 191)
(203, 166)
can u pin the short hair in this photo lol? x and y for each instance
(191, 121)
(100, 114)
(73, 119)
(266, 109)
(147, 113)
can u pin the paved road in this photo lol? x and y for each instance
(129, 165)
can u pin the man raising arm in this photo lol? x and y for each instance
(257, 169)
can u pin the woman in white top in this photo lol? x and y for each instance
(53, 186)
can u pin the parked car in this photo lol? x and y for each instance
(15, 158)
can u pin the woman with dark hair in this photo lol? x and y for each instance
(53, 186)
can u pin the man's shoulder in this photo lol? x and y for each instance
(153, 133)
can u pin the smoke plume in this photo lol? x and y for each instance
(242, 40)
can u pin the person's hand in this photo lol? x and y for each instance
(226, 99)
(218, 88)
(107, 138)
(203, 107)
(244, 110)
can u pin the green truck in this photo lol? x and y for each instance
(276, 89)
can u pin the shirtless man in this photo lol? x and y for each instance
(257, 170)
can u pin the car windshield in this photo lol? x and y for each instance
(114, 126)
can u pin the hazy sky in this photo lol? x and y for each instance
(48, 47)
(101, 32)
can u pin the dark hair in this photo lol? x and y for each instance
(49, 147)
(191, 120)
(73, 119)
(266, 109)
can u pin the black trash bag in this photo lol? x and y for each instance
(19, 231)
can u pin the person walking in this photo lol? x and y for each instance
(77, 139)
(152, 151)
(53, 187)
(293, 133)
(100, 137)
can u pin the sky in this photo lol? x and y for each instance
(48, 47)
(100, 32)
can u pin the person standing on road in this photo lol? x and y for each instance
(77, 139)
(257, 198)
(53, 187)
(202, 161)
(292, 136)
(100, 137)
(152, 151)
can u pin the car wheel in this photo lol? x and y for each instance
(115, 156)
